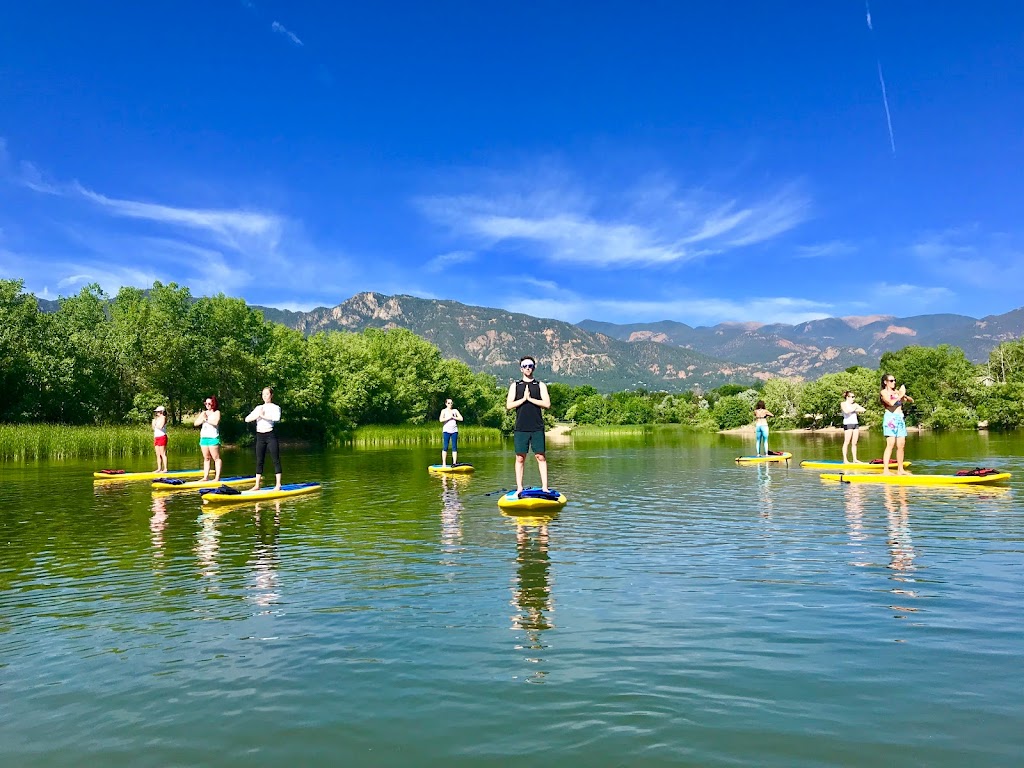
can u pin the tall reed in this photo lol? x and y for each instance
(24, 442)
(416, 434)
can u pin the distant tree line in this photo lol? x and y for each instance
(949, 392)
(108, 360)
(103, 360)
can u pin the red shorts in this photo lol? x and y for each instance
(162, 440)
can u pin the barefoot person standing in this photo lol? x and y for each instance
(529, 398)
(450, 417)
(851, 424)
(209, 437)
(761, 415)
(159, 425)
(894, 426)
(266, 417)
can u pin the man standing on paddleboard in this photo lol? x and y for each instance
(529, 399)
(450, 417)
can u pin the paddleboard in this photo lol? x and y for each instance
(858, 465)
(451, 469)
(293, 489)
(784, 456)
(163, 486)
(533, 499)
(116, 474)
(842, 477)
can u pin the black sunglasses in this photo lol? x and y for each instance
(527, 365)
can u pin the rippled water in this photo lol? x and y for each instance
(680, 610)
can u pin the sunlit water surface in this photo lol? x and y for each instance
(681, 610)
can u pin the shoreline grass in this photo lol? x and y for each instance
(30, 442)
(416, 434)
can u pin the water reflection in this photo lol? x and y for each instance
(764, 490)
(853, 499)
(265, 563)
(531, 588)
(207, 546)
(451, 515)
(901, 545)
(157, 524)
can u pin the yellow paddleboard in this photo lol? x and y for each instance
(784, 456)
(511, 501)
(162, 486)
(842, 477)
(841, 467)
(262, 494)
(114, 474)
(451, 469)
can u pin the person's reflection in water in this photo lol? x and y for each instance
(901, 547)
(451, 518)
(531, 589)
(764, 491)
(265, 563)
(207, 545)
(157, 524)
(853, 498)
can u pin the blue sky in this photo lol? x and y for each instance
(620, 161)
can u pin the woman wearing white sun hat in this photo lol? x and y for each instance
(159, 424)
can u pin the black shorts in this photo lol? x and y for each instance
(851, 426)
(523, 441)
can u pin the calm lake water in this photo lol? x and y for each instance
(680, 610)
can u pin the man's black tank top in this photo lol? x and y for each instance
(529, 417)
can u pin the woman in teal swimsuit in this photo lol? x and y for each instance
(209, 437)
(894, 426)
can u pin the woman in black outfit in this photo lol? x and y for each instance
(266, 417)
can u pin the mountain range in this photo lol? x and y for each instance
(662, 355)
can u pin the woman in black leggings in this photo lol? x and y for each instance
(266, 417)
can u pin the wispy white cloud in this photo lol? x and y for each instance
(908, 290)
(236, 229)
(446, 260)
(281, 29)
(638, 227)
(970, 258)
(709, 310)
(827, 250)
(210, 249)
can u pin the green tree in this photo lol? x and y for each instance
(733, 411)
(934, 376)
(19, 362)
(1006, 362)
(781, 397)
(1002, 406)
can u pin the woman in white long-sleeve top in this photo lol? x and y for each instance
(266, 417)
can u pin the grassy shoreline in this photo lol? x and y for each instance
(416, 434)
(29, 442)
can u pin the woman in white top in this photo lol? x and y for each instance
(450, 417)
(851, 424)
(159, 425)
(209, 437)
(266, 417)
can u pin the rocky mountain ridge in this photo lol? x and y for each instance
(663, 355)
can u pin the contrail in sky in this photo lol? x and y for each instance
(881, 82)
